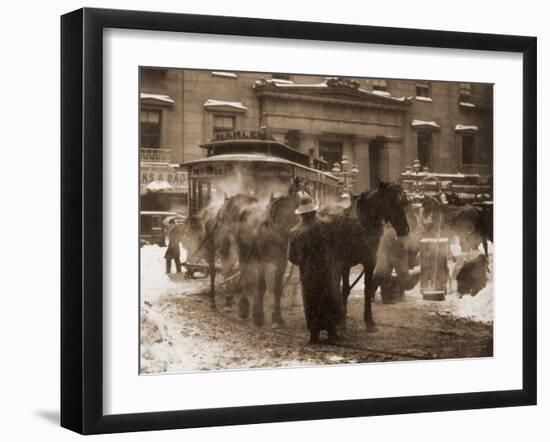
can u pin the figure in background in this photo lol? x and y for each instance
(173, 250)
(311, 249)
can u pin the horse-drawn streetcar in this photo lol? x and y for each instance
(242, 170)
(261, 168)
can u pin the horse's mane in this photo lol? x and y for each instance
(367, 205)
(275, 203)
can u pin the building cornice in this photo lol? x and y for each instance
(337, 91)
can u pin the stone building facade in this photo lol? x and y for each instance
(380, 125)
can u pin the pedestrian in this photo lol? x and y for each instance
(173, 250)
(311, 248)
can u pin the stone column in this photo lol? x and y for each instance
(361, 148)
(393, 150)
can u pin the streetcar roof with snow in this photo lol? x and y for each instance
(252, 158)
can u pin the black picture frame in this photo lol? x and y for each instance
(82, 214)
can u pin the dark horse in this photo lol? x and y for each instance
(358, 233)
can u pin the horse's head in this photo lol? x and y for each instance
(386, 203)
(281, 212)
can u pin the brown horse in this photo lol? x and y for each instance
(262, 241)
(250, 236)
(218, 227)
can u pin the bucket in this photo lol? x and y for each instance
(434, 272)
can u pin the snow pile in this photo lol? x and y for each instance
(478, 307)
(169, 343)
(157, 353)
(154, 282)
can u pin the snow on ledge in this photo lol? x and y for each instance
(462, 127)
(426, 99)
(157, 97)
(220, 103)
(420, 123)
(281, 81)
(385, 94)
(465, 104)
(224, 74)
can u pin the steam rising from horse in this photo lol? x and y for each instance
(262, 241)
(255, 233)
(251, 235)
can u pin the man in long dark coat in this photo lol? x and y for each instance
(311, 249)
(173, 250)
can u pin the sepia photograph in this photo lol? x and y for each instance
(290, 220)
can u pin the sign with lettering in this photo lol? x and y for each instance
(178, 179)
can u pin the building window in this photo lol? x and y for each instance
(424, 148)
(153, 74)
(223, 123)
(468, 149)
(150, 128)
(379, 85)
(465, 93)
(423, 90)
(331, 152)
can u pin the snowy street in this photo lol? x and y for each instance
(180, 333)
